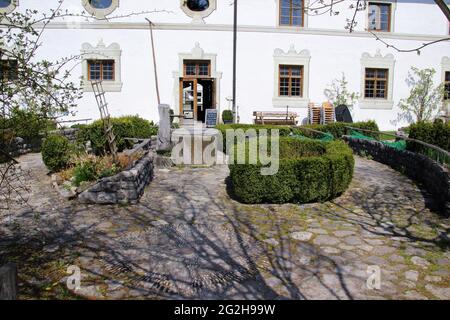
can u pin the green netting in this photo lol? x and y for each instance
(326, 137)
(399, 145)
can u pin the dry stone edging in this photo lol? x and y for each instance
(127, 187)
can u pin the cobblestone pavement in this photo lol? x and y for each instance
(188, 239)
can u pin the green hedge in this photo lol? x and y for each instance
(56, 152)
(337, 129)
(123, 127)
(309, 171)
(436, 133)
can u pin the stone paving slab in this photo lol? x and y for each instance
(187, 239)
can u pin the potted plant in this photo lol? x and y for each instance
(227, 116)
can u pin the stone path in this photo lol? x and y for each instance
(188, 239)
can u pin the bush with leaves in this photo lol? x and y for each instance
(227, 116)
(338, 94)
(91, 168)
(424, 98)
(57, 152)
(436, 133)
(308, 171)
(123, 127)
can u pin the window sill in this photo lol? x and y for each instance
(107, 86)
(292, 102)
(291, 27)
(376, 104)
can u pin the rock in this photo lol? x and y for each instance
(325, 240)
(271, 241)
(301, 236)
(412, 275)
(366, 247)
(421, 262)
(343, 233)
(441, 293)
(159, 223)
(433, 279)
(414, 295)
(383, 250)
(330, 250)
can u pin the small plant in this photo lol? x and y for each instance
(424, 98)
(338, 94)
(56, 152)
(92, 168)
(227, 116)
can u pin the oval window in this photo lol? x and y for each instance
(100, 4)
(197, 5)
(5, 3)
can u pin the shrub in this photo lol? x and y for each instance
(123, 127)
(338, 129)
(92, 168)
(56, 152)
(25, 124)
(436, 133)
(227, 116)
(308, 171)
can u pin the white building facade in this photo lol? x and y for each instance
(286, 56)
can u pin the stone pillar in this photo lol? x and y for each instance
(8, 282)
(164, 127)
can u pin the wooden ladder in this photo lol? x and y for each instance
(99, 93)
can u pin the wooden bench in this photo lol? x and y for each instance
(275, 117)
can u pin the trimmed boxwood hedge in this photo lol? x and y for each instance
(309, 171)
(337, 129)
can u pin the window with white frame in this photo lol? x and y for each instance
(102, 63)
(291, 81)
(380, 15)
(292, 13)
(7, 6)
(377, 81)
(100, 8)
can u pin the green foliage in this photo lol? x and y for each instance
(56, 152)
(338, 94)
(437, 133)
(123, 127)
(92, 168)
(227, 115)
(25, 124)
(338, 129)
(424, 98)
(309, 171)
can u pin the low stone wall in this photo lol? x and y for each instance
(434, 177)
(126, 187)
(69, 133)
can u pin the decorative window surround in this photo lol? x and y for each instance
(101, 52)
(292, 57)
(445, 67)
(100, 13)
(305, 17)
(377, 61)
(198, 16)
(393, 4)
(197, 53)
(12, 6)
